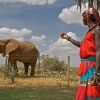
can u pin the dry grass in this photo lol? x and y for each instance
(57, 80)
(39, 81)
(32, 82)
(36, 82)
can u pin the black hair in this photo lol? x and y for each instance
(92, 17)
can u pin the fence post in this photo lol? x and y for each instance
(68, 70)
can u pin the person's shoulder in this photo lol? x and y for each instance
(96, 30)
(97, 27)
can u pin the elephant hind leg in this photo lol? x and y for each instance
(32, 69)
(26, 65)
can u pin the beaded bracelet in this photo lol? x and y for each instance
(67, 37)
(96, 73)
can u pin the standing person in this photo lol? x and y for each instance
(89, 70)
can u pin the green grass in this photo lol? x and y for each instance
(30, 93)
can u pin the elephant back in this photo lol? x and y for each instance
(27, 46)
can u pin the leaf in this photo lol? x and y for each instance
(90, 3)
(98, 4)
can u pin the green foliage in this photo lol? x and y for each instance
(91, 3)
(8, 71)
(21, 74)
(53, 64)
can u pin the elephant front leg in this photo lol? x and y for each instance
(13, 63)
(16, 69)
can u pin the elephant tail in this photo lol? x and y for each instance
(39, 60)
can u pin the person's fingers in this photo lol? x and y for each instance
(62, 35)
(96, 80)
(95, 83)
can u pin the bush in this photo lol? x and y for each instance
(53, 64)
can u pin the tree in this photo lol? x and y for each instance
(91, 3)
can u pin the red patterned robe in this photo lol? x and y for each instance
(86, 91)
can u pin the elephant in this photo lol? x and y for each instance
(22, 51)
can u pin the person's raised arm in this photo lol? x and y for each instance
(75, 42)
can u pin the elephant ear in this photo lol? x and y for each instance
(11, 46)
(1, 44)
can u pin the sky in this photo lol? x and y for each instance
(41, 22)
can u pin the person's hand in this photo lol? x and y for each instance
(96, 79)
(64, 36)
